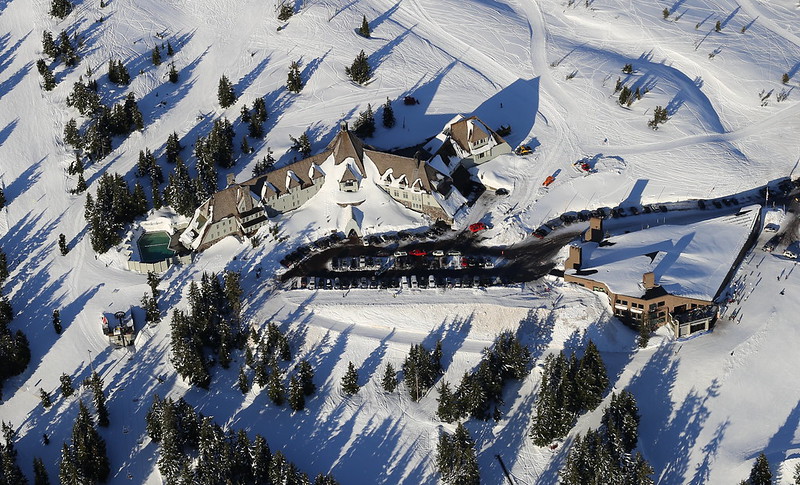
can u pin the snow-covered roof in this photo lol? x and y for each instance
(690, 260)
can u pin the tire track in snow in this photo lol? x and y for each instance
(727, 136)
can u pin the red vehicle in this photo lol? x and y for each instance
(477, 227)
(417, 252)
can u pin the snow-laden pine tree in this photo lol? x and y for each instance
(447, 410)
(389, 381)
(364, 30)
(180, 191)
(66, 385)
(297, 400)
(388, 114)
(456, 459)
(350, 380)
(359, 71)
(306, 375)
(225, 94)
(294, 82)
(364, 126)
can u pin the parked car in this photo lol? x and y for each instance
(501, 191)
(403, 282)
(477, 227)
(453, 253)
(399, 254)
(431, 281)
(771, 227)
(417, 252)
(312, 283)
(790, 254)
(437, 253)
(414, 284)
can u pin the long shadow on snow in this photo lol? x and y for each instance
(7, 130)
(710, 450)
(674, 437)
(380, 19)
(8, 56)
(168, 95)
(7, 85)
(777, 449)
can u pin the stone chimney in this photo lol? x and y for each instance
(230, 179)
(649, 280)
(595, 232)
(575, 258)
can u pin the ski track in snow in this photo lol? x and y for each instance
(458, 56)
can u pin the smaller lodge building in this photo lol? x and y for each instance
(669, 274)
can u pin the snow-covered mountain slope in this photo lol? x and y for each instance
(709, 404)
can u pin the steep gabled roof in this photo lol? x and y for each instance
(347, 145)
(416, 173)
(349, 175)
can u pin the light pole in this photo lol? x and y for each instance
(91, 362)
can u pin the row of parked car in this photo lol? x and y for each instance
(401, 282)
(436, 259)
(568, 218)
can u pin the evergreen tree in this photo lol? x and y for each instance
(153, 281)
(665, 13)
(389, 381)
(57, 321)
(68, 54)
(173, 73)
(62, 244)
(264, 165)
(447, 409)
(40, 476)
(151, 312)
(243, 382)
(625, 96)
(350, 380)
(456, 460)
(225, 93)
(285, 11)
(66, 385)
(718, 26)
(49, 47)
(80, 185)
(60, 8)
(139, 200)
(785, 78)
(294, 83)
(259, 110)
(118, 73)
(360, 70)
(2, 198)
(10, 471)
(305, 375)
(180, 193)
(592, 379)
(261, 460)
(388, 114)
(170, 50)
(95, 383)
(325, 480)
(245, 147)
(420, 370)
(304, 144)
(156, 55)
(45, 398)
(3, 266)
(244, 114)
(48, 79)
(297, 400)
(277, 390)
(659, 117)
(72, 136)
(364, 30)
(760, 474)
(365, 124)
(173, 148)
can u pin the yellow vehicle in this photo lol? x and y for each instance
(523, 150)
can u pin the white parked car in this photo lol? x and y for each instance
(414, 281)
(437, 252)
(431, 282)
(403, 282)
(790, 254)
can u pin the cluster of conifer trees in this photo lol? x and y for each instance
(456, 459)
(113, 206)
(569, 386)
(84, 459)
(606, 455)
(10, 472)
(211, 325)
(480, 393)
(15, 352)
(194, 449)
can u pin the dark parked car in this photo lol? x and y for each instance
(501, 191)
